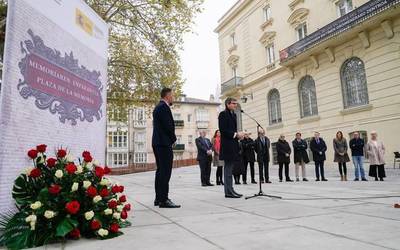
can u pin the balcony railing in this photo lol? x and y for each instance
(340, 25)
(139, 123)
(202, 124)
(179, 123)
(231, 84)
(179, 147)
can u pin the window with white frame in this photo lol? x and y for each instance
(140, 157)
(190, 139)
(178, 139)
(301, 31)
(354, 83)
(177, 116)
(343, 7)
(140, 141)
(189, 117)
(233, 41)
(270, 53)
(308, 97)
(274, 107)
(202, 115)
(267, 13)
(117, 139)
(117, 159)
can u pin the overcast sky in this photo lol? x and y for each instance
(200, 58)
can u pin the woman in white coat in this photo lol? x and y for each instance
(376, 156)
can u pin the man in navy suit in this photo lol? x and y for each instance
(229, 144)
(163, 139)
(204, 157)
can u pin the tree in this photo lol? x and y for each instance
(144, 39)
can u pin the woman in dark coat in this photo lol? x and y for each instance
(300, 156)
(238, 168)
(248, 157)
(284, 151)
(341, 156)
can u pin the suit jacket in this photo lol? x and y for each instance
(163, 126)
(203, 145)
(229, 145)
(283, 148)
(300, 151)
(248, 147)
(318, 150)
(262, 149)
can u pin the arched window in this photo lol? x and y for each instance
(274, 107)
(307, 97)
(354, 83)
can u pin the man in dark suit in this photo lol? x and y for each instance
(318, 148)
(204, 157)
(229, 144)
(263, 145)
(163, 140)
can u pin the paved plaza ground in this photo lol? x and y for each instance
(313, 215)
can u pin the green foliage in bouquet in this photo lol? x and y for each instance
(57, 200)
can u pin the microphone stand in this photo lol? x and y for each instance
(260, 192)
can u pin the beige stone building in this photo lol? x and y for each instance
(315, 65)
(129, 142)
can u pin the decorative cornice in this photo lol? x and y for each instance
(267, 37)
(266, 24)
(232, 48)
(298, 16)
(294, 3)
(233, 60)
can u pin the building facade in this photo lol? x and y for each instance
(129, 142)
(306, 65)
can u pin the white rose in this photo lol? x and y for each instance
(97, 198)
(102, 232)
(86, 184)
(74, 187)
(49, 214)
(89, 165)
(104, 182)
(31, 218)
(79, 169)
(70, 158)
(59, 174)
(119, 208)
(89, 215)
(36, 205)
(117, 216)
(33, 225)
(108, 211)
(96, 163)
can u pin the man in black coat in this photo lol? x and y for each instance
(318, 149)
(357, 153)
(229, 144)
(204, 157)
(248, 147)
(263, 145)
(283, 149)
(300, 156)
(163, 140)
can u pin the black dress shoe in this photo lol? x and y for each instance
(253, 182)
(280, 180)
(305, 179)
(289, 180)
(237, 194)
(204, 185)
(356, 179)
(231, 196)
(324, 179)
(168, 204)
(156, 203)
(317, 179)
(363, 179)
(210, 185)
(268, 182)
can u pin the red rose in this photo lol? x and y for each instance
(124, 214)
(75, 233)
(87, 158)
(61, 153)
(70, 168)
(51, 162)
(91, 191)
(127, 207)
(72, 207)
(95, 224)
(114, 228)
(54, 189)
(32, 153)
(112, 204)
(121, 189)
(85, 153)
(107, 170)
(104, 192)
(99, 172)
(35, 173)
(115, 189)
(122, 198)
(41, 148)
